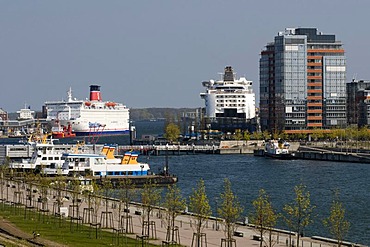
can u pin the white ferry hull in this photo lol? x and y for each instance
(105, 132)
(83, 128)
(89, 117)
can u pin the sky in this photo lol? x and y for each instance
(154, 53)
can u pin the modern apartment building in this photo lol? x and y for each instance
(358, 103)
(302, 81)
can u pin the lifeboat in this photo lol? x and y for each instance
(87, 103)
(110, 104)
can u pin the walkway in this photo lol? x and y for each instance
(246, 235)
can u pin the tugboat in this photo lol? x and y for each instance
(60, 132)
(278, 149)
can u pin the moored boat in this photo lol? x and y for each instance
(59, 132)
(45, 155)
(106, 165)
(278, 149)
(89, 117)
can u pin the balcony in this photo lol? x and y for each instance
(315, 125)
(314, 118)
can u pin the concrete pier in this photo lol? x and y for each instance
(355, 156)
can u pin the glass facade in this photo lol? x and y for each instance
(302, 81)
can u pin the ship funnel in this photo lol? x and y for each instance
(95, 93)
(229, 74)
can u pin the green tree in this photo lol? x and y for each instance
(174, 204)
(264, 216)
(4, 171)
(95, 200)
(172, 132)
(336, 222)
(257, 136)
(106, 190)
(43, 185)
(246, 135)
(126, 194)
(298, 213)
(150, 197)
(266, 135)
(283, 135)
(199, 205)
(363, 133)
(317, 134)
(237, 135)
(230, 210)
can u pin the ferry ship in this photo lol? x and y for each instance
(89, 117)
(229, 97)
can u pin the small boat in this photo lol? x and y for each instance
(45, 155)
(278, 149)
(62, 131)
(46, 158)
(104, 164)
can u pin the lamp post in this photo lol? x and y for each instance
(216, 214)
(209, 131)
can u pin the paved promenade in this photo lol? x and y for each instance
(77, 210)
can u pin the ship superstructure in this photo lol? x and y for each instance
(87, 117)
(229, 97)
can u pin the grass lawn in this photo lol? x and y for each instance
(61, 230)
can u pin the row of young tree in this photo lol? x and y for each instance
(297, 214)
(172, 133)
(337, 134)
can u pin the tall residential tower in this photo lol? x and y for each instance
(302, 81)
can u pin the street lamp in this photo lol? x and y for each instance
(216, 214)
(209, 130)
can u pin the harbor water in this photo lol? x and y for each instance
(249, 174)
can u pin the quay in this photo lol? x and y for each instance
(222, 147)
(301, 151)
(354, 155)
(73, 207)
(18, 151)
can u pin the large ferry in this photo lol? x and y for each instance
(229, 97)
(89, 117)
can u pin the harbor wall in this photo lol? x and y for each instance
(240, 147)
(333, 156)
(248, 147)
